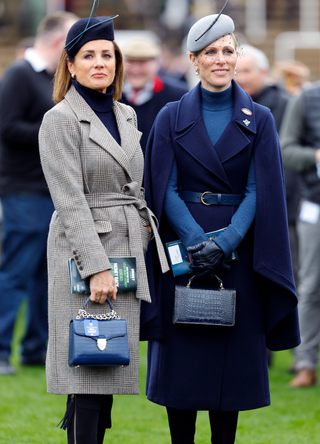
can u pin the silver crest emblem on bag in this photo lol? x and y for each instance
(101, 343)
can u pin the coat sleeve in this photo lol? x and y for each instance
(272, 258)
(60, 140)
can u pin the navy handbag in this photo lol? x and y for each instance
(98, 340)
(204, 307)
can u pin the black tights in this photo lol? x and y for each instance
(182, 424)
(92, 416)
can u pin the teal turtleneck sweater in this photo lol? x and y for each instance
(217, 110)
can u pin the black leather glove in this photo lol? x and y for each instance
(207, 258)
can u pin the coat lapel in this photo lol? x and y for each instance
(98, 133)
(234, 139)
(130, 136)
(193, 137)
(192, 134)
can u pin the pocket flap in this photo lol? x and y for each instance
(114, 328)
(101, 220)
(103, 226)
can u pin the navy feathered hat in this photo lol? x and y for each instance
(87, 29)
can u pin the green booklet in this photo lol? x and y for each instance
(123, 270)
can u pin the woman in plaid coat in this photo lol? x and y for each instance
(93, 164)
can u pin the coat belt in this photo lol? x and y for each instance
(131, 196)
(210, 198)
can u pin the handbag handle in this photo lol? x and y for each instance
(83, 314)
(218, 279)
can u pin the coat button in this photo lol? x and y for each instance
(79, 263)
(76, 258)
(81, 268)
(74, 252)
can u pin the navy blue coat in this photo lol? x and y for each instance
(217, 368)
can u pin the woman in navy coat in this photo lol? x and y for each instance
(216, 140)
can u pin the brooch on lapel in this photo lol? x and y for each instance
(246, 122)
(246, 111)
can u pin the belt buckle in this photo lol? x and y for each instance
(202, 195)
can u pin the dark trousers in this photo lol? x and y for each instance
(91, 418)
(182, 424)
(23, 272)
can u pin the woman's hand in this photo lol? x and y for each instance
(207, 258)
(102, 286)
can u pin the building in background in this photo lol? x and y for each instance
(259, 22)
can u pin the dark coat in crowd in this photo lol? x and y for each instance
(217, 368)
(276, 99)
(167, 90)
(21, 115)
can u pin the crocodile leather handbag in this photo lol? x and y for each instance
(205, 307)
(98, 340)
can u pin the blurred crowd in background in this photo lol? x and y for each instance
(258, 22)
(279, 58)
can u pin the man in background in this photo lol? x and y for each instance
(252, 75)
(300, 143)
(25, 96)
(23, 45)
(144, 89)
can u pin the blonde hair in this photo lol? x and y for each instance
(62, 79)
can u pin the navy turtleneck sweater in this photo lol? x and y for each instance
(102, 106)
(217, 110)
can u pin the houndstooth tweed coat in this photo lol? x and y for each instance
(100, 212)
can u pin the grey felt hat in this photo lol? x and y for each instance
(141, 49)
(207, 30)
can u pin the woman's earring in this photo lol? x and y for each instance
(197, 72)
(235, 72)
(73, 76)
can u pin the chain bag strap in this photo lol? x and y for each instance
(204, 306)
(83, 314)
(98, 340)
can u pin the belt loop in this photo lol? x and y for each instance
(219, 198)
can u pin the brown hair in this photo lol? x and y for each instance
(62, 80)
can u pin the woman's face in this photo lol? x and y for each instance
(95, 65)
(216, 64)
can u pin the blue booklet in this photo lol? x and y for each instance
(180, 260)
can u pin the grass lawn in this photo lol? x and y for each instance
(29, 415)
